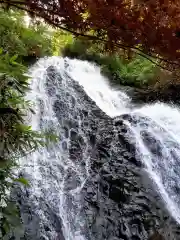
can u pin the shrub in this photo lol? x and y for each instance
(59, 40)
(17, 38)
(16, 138)
(137, 71)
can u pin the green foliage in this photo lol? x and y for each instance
(59, 40)
(17, 38)
(137, 71)
(21, 180)
(16, 138)
(18, 42)
(75, 49)
(9, 214)
(36, 41)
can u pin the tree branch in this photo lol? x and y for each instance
(148, 56)
(14, 2)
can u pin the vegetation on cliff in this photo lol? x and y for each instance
(152, 83)
(137, 71)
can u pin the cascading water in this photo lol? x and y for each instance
(158, 147)
(68, 97)
(163, 127)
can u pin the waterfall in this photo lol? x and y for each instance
(75, 101)
(163, 169)
(158, 147)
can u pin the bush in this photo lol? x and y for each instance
(16, 138)
(17, 38)
(18, 43)
(138, 71)
(59, 40)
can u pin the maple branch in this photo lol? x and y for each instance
(23, 6)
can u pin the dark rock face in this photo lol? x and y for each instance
(104, 182)
(168, 94)
(32, 223)
(121, 206)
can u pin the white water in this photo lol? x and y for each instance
(55, 160)
(111, 101)
(164, 169)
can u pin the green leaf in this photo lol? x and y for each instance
(13, 58)
(22, 180)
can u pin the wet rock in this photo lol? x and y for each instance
(168, 94)
(66, 132)
(117, 195)
(60, 109)
(64, 145)
(71, 123)
(72, 180)
(53, 76)
(46, 228)
(154, 145)
(73, 101)
(33, 226)
(103, 189)
(51, 91)
(73, 135)
(156, 236)
(92, 139)
(85, 113)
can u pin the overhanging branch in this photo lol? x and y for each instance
(23, 6)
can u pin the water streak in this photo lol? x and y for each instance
(156, 129)
(164, 128)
